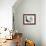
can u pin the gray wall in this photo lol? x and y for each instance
(43, 22)
(29, 31)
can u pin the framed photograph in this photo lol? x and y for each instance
(29, 19)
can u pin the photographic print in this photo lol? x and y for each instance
(29, 19)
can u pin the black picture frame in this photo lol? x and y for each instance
(29, 19)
